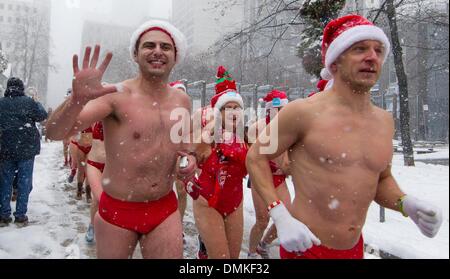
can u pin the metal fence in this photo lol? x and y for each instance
(201, 94)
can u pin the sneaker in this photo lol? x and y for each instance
(263, 250)
(21, 221)
(5, 221)
(202, 254)
(90, 235)
(70, 178)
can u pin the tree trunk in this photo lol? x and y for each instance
(422, 58)
(408, 152)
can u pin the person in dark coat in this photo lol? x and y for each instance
(20, 143)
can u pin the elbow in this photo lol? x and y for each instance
(251, 159)
(53, 133)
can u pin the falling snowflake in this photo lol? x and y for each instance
(334, 204)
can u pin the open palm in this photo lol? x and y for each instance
(87, 82)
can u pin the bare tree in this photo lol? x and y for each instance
(31, 39)
(3, 62)
(317, 14)
(408, 152)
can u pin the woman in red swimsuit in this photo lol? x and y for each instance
(218, 191)
(94, 173)
(84, 145)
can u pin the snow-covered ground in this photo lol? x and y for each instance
(58, 222)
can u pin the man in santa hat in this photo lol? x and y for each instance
(340, 151)
(138, 203)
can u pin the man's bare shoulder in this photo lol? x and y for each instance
(180, 97)
(302, 108)
(383, 115)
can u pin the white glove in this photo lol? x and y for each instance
(294, 235)
(426, 216)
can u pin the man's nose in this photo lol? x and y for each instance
(373, 55)
(158, 50)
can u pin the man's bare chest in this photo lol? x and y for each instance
(347, 143)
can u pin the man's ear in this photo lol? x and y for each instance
(135, 55)
(334, 67)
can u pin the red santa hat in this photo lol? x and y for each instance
(340, 34)
(178, 39)
(178, 85)
(225, 90)
(276, 99)
(322, 85)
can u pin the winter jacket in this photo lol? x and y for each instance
(19, 137)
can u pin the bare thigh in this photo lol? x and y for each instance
(234, 228)
(211, 227)
(166, 241)
(73, 150)
(113, 242)
(81, 164)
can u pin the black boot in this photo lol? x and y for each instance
(5, 221)
(79, 191)
(88, 194)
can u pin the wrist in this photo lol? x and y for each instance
(74, 102)
(279, 212)
(401, 205)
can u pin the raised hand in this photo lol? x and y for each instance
(87, 82)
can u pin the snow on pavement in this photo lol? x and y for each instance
(58, 222)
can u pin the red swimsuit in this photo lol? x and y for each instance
(84, 149)
(97, 134)
(221, 177)
(139, 217)
(322, 252)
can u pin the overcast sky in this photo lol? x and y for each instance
(66, 25)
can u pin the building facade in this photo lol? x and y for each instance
(25, 39)
(203, 22)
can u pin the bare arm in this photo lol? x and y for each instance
(388, 191)
(258, 163)
(187, 148)
(86, 86)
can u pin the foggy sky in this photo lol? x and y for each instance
(67, 18)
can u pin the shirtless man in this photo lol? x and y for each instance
(137, 203)
(340, 150)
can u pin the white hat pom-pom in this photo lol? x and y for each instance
(325, 74)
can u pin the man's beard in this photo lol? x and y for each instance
(358, 86)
